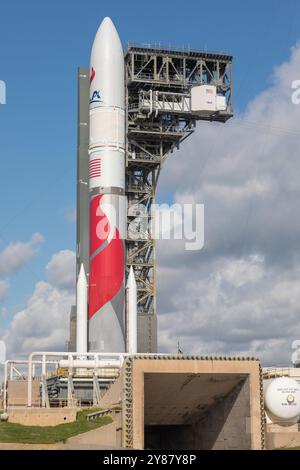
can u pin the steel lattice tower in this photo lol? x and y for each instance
(159, 117)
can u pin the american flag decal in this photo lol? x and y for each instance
(95, 168)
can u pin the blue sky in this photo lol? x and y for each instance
(42, 44)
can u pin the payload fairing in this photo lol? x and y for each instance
(108, 203)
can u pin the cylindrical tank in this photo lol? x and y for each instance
(282, 399)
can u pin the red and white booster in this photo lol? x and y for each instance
(106, 312)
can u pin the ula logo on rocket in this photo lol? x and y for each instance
(96, 97)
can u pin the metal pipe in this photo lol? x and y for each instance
(5, 386)
(70, 356)
(43, 380)
(88, 364)
(29, 383)
(151, 103)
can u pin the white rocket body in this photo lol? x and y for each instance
(107, 109)
(108, 202)
(131, 311)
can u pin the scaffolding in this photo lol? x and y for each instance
(160, 116)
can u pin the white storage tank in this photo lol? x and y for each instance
(282, 399)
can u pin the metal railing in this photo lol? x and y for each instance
(158, 46)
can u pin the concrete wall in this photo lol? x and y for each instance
(233, 420)
(113, 396)
(105, 436)
(226, 425)
(283, 439)
(17, 393)
(147, 333)
(42, 416)
(171, 437)
(72, 330)
(280, 436)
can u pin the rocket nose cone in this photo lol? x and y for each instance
(107, 27)
(107, 21)
(107, 67)
(131, 278)
(106, 41)
(81, 276)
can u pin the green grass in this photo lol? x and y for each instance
(11, 433)
(288, 448)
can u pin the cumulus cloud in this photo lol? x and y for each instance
(16, 254)
(239, 306)
(3, 313)
(4, 286)
(43, 323)
(61, 269)
(240, 294)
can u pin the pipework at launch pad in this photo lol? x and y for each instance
(134, 109)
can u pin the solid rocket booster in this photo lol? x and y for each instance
(81, 303)
(106, 328)
(131, 313)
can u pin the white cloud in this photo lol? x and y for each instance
(16, 254)
(239, 272)
(43, 323)
(237, 307)
(3, 313)
(61, 269)
(4, 286)
(241, 293)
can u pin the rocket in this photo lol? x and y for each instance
(105, 322)
(108, 203)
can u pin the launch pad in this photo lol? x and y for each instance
(133, 112)
(162, 401)
(134, 109)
